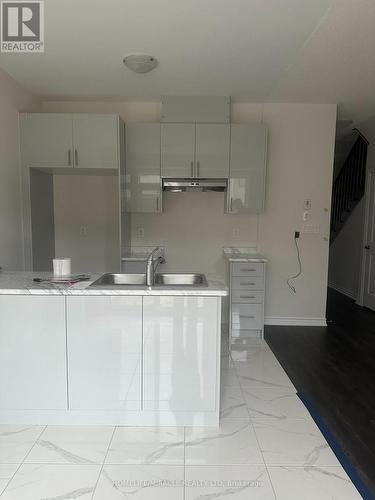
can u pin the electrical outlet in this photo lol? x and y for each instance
(140, 232)
(307, 204)
(83, 230)
(296, 234)
(310, 229)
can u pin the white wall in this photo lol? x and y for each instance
(13, 99)
(194, 229)
(300, 161)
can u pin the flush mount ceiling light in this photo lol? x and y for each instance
(140, 63)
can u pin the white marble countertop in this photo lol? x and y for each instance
(243, 254)
(21, 283)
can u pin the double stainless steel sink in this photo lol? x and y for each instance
(165, 279)
(177, 279)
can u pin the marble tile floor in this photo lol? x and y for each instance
(267, 448)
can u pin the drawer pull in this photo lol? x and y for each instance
(247, 284)
(245, 316)
(248, 270)
(247, 297)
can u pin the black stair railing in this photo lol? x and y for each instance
(349, 186)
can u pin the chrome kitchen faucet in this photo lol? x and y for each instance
(151, 265)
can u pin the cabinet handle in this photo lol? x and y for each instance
(198, 168)
(75, 157)
(247, 297)
(69, 157)
(247, 317)
(191, 169)
(231, 204)
(157, 203)
(246, 284)
(248, 270)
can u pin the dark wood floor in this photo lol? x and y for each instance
(335, 367)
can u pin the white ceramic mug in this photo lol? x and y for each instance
(61, 267)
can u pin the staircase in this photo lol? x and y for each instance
(349, 185)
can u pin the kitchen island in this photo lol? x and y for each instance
(121, 355)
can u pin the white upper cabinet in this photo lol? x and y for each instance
(190, 150)
(59, 140)
(143, 189)
(46, 140)
(247, 177)
(212, 150)
(95, 139)
(104, 352)
(177, 149)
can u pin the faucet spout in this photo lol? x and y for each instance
(155, 258)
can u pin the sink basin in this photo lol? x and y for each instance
(178, 279)
(110, 279)
(170, 279)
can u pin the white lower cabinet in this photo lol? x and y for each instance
(180, 342)
(104, 352)
(32, 353)
(246, 301)
(110, 360)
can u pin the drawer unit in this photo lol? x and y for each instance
(247, 269)
(247, 283)
(247, 297)
(246, 304)
(247, 316)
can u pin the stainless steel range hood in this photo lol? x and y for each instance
(188, 184)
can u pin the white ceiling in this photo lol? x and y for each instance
(254, 50)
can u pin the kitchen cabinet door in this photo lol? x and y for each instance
(247, 180)
(212, 150)
(46, 139)
(32, 353)
(143, 188)
(177, 149)
(96, 141)
(180, 342)
(104, 352)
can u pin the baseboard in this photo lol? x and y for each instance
(274, 320)
(343, 290)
